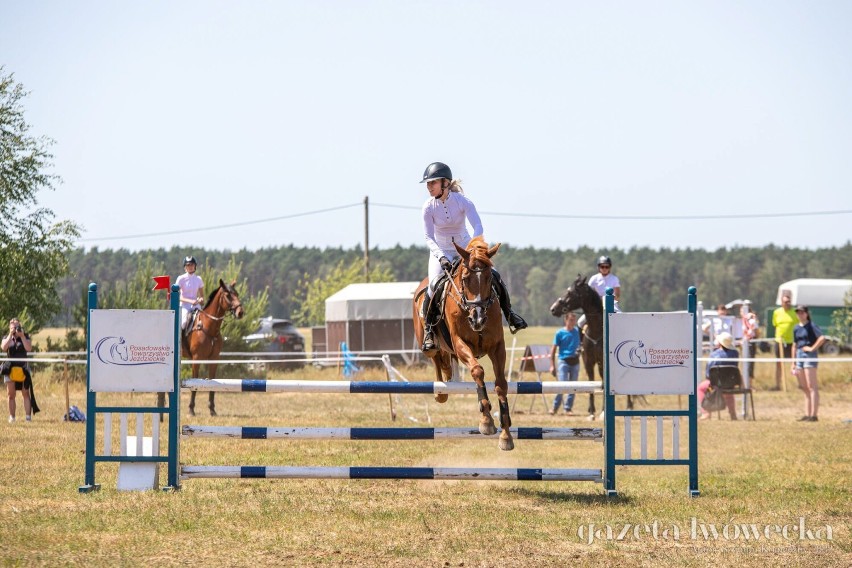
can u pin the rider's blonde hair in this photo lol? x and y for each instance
(455, 186)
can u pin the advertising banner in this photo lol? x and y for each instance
(651, 353)
(132, 350)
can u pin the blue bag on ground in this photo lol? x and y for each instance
(74, 415)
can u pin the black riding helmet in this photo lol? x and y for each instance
(604, 260)
(437, 170)
(190, 260)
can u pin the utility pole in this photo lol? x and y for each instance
(367, 238)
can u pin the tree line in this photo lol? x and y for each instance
(651, 279)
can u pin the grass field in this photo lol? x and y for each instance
(772, 476)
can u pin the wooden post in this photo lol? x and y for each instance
(67, 396)
(783, 365)
(366, 238)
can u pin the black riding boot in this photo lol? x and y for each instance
(428, 313)
(516, 322)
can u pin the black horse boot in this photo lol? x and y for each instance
(516, 322)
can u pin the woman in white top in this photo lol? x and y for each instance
(191, 290)
(444, 216)
(605, 279)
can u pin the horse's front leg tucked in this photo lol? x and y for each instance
(465, 356)
(501, 388)
(443, 373)
(486, 421)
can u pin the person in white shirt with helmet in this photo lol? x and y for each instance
(600, 282)
(605, 279)
(191, 290)
(444, 216)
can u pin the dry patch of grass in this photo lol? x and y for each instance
(770, 472)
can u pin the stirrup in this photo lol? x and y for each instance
(429, 346)
(516, 323)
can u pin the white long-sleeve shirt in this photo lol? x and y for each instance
(444, 223)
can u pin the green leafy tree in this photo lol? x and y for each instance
(313, 290)
(255, 305)
(540, 293)
(33, 246)
(137, 293)
(841, 321)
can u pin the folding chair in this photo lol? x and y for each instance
(729, 379)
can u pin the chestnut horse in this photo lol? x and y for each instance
(582, 296)
(202, 340)
(475, 324)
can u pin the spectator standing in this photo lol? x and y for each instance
(191, 290)
(16, 344)
(784, 320)
(567, 343)
(808, 338)
(722, 321)
(751, 326)
(723, 355)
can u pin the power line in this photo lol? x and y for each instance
(644, 217)
(229, 225)
(495, 213)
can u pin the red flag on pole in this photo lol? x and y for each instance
(162, 283)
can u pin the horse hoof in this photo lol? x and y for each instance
(213, 412)
(507, 444)
(590, 417)
(487, 429)
(441, 398)
(191, 411)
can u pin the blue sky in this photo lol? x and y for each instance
(174, 116)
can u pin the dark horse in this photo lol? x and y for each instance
(202, 340)
(475, 328)
(582, 296)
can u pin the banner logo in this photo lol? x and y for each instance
(114, 350)
(633, 354)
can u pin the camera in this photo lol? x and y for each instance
(18, 329)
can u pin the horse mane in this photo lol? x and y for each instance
(211, 296)
(581, 286)
(478, 249)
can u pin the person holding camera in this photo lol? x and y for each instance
(567, 343)
(16, 374)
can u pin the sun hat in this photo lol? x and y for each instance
(725, 340)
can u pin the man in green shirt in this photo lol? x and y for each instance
(784, 319)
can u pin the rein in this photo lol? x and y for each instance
(232, 309)
(462, 299)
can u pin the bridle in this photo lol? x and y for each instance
(564, 301)
(232, 307)
(460, 296)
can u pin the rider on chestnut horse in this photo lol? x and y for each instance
(444, 215)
